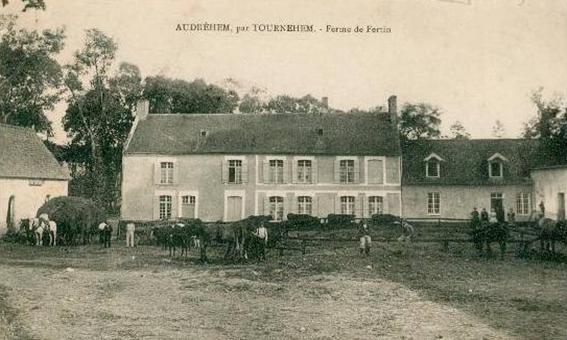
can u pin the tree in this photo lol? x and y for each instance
(30, 76)
(419, 121)
(498, 130)
(180, 96)
(250, 104)
(99, 113)
(458, 131)
(29, 4)
(550, 127)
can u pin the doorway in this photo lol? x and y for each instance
(233, 208)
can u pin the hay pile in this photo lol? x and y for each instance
(75, 217)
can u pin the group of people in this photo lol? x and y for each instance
(105, 231)
(492, 217)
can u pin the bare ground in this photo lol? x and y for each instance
(89, 293)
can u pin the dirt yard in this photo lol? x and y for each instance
(407, 291)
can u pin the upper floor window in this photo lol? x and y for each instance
(346, 171)
(347, 205)
(496, 165)
(276, 171)
(164, 207)
(276, 208)
(304, 205)
(235, 171)
(433, 165)
(304, 171)
(166, 173)
(375, 205)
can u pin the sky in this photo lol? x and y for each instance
(479, 61)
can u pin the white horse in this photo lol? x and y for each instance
(37, 228)
(52, 230)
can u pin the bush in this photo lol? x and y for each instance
(383, 219)
(336, 221)
(302, 222)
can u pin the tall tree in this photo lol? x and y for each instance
(98, 115)
(458, 131)
(498, 130)
(550, 127)
(180, 96)
(30, 76)
(419, 121)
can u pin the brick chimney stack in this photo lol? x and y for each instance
(393, 108)
(142, 109)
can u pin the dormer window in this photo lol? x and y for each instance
(204, 133)
(433, 166)
(496, 166)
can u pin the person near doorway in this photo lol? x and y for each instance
(475, 218)
(511, 216)
(484, 216)
(492, 217)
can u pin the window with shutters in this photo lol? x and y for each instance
(346, 171)
(304, 171)
(276, 208)
(166, 173)
(276, 171)
(433, 203)
(347, 205)
(235, 171)
(523, 203)
(375, 205)
(304, 205)
(164, 207)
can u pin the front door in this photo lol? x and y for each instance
(233, 208)
(497, 203)
(561, 206)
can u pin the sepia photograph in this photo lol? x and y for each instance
(262, 169)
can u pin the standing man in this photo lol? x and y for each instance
(365, 240)
(484, 216)
(511, 216)
(130, 229)
(475, 219)
(262, 235)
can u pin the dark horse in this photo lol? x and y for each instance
(487, 233)
(549, 232)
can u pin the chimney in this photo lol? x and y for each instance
(393, 108)
(142, 109)
(325, 104)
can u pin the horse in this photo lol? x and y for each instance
(487, 233)
(550, 231)
(51, 228)
(38, 230)
(105, 231)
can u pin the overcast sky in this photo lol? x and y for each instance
(477, 60)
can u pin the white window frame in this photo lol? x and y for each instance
(302, 206)
(230, 193)
(169, 175)
(431, 200)
(379, 204)
(496, 158)
(237, 171)
(523, 200)
(297, 167)
(193, 193)
(165, 206)
(275, 215)
(342, 159)
(273, 158)
(428, 165)
(347, 205)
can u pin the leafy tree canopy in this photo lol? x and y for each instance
(29, 4)
(30, 76)
(458, 131)
(419, 121)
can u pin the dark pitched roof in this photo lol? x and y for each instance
(334, 134)
(23, 155)
(466, 161)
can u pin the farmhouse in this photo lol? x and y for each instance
(550, 187)
(447, 178)
(229, 166)
(29, 174)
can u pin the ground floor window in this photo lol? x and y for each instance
(164, 207)
(375, 205)
(433, 203)
(523, 203)
(347, 205)
(276, 208)
(304, 205)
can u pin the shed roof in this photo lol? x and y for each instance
(23, 155)
(332, 133)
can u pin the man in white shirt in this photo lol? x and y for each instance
(130, 229)
(262, 235)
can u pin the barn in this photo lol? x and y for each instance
(29, 175)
